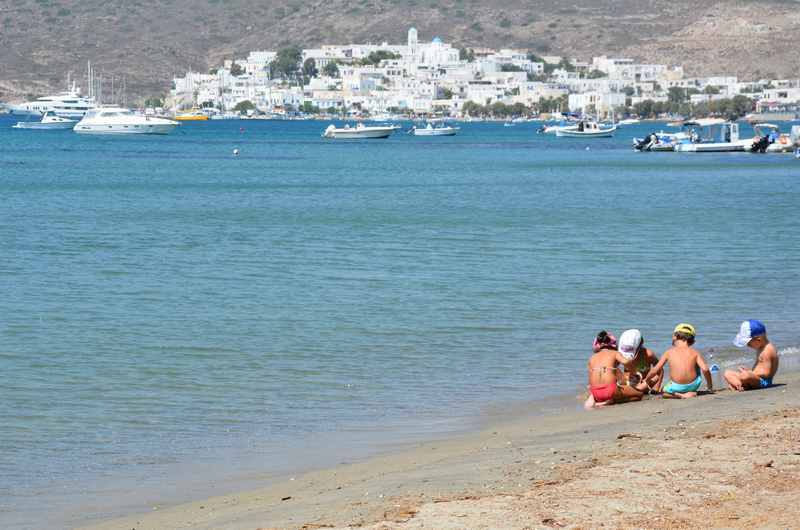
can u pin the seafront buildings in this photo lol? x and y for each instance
(426, 77)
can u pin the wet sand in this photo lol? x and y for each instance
(726, 460)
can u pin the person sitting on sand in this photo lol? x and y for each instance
(606, 384)
(631, 343)
(753, 334)
(685, 365)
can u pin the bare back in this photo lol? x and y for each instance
(603, 368)
(685, 364)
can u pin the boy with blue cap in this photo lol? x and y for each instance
(753, 334)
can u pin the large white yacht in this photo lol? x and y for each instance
(118, 120)
(69, 104)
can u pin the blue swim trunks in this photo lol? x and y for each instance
(677, 388)
(764, 382)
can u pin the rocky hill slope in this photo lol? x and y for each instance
(147, 41)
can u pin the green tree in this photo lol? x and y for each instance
(676, 94)
(629, 91)
(473, 109)
(466, 54)
(309, 108)
(740, 106)
(236, 69)
(445, 93)
(286, 62)
(310, 67)
(331, 69)
(154, 101)
(510, 68)
(595, 74)
(711, 90)
(532, 57)
(375, 58)
(243, 106)
(566, 65)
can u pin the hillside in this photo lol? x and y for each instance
(148, 41)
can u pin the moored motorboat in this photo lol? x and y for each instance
(769, 139)
(358, 132)
(433, 129)
(49, 122)
(586, 129)
(118, 120)
(194, 114)
(660, 141)
(715, 136)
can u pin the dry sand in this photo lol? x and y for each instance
(727, 460)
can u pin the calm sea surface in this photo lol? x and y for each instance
(173, 317)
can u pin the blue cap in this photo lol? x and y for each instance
(748, 331)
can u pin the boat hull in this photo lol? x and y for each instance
(603, 133)
(709, 148)
(35, 125)
(358, 133)
(449, 131)
(117, 129)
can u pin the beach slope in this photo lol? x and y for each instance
(727, 460)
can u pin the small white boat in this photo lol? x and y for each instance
(716, 136)
(553, 129)
(432, 129)
(509, 124)
(629, 121)
(117, 120)
(49, 122)
(586, 129)
(769, 139)
(360, 131)
(660, 141)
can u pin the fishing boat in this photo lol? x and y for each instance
(434, 128)
(359, 132)
(49, 122)
(713, 135)
(118, 120)
(586, 129)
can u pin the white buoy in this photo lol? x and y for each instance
(236, 152)
(587, 147)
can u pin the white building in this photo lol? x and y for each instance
(596, 102)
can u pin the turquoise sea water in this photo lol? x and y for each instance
(172, 316)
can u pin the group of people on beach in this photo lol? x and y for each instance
(625, 370)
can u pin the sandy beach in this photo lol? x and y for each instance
(725, 460)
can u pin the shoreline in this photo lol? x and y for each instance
(507, 457)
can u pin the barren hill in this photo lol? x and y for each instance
(147, 41)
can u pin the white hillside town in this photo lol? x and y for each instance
(435, 78)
